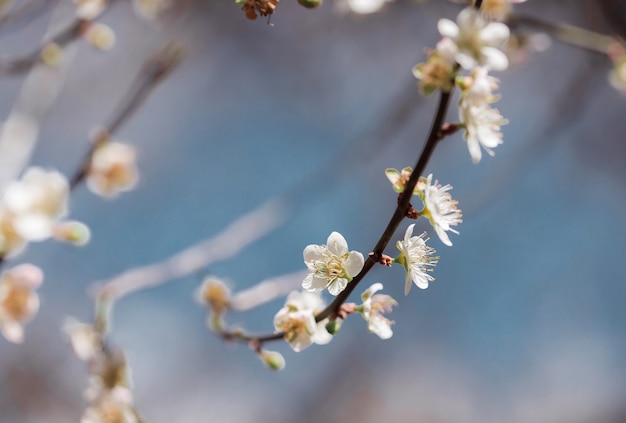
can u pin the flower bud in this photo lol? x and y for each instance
(100, 36)
(52, 54)
(76, 233)
(310, 4)
(272, 359)
(333, 327)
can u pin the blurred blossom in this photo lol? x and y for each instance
(272, 359)
(90, 9)
(477, 40)
(440, 209)
(373, 308)
(216, 294)
(100, 36)
(76, 233)
(297, 320)
(617, 76)
(52, 54)
(86, 342)
(112, 169)
(365, 7)
(438, 71)
(416, 258)
(114, 407)
(151, 9)
(498, 10)
(332, 266)
(18, 300)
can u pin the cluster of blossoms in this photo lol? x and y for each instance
(474, 44)
(18, 300)
(109, 395)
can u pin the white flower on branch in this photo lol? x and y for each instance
(416, 258)
(440, 209)
(482, 128)
(373, 308)
(477, 40)
(438, 70)
(112, 169)
(36, 202)
(297, 320)
(18, 300)
(86, 342)
(332, 266)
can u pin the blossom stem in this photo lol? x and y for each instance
(403, 203)
(569, 34)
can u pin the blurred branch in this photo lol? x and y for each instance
(569, 34)
(267, 290)
(16, 18)
(153, 71)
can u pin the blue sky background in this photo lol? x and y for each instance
(525, 321)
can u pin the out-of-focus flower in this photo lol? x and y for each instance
(11, 242)
(114, 407)
(440, 209)
(112, 169)
(478, 89)
(100, 36)
(498, 10)
(482, 128)
(150, 10)
(373, 308)
(416, 258)
(365, 7)
(297, 320)
(86, 342)
(439, 69)
(332, 266)
(478, 41)
(74, 232)
(18, 300)
(399, 180)
(215, 293)
(36, 202)
(90, 9)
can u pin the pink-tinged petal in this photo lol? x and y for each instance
(495, 34)
(354, 264)
(336, 287)
(495, 59)
(313, 252)
(337, 244)
(447, 28)
(13, 332)
(27, 275)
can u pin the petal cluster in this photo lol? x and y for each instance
(332, 266)
(440, 209)
(477, 41)
(297, 320)
(373, 308)
(18, 300)
(417, 260)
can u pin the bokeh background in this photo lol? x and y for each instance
(526, 319)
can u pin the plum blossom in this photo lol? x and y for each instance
(440, 209)
(297, 320)
(332, 266)
(416, 258)
(112, 169)
(86, 342)
(399, 179)
(478, 41)
(373, 308)
(438, 71)
(18, 300)
(116, 406)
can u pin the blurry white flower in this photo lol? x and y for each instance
(415, 257)
(90, 9)
(477, 89)
(11, 242)
(100, 36)
(36, 202)
(438, 71)
(115, 407)
(272, 359)
(373, 308)
(365, 7)
(482, 128)
(477, 40)
(86, 342)
(440, 209)
(18, 300)
(74, 232)
(112, 169)
(297, 320)
(332, 265)
(216, 294)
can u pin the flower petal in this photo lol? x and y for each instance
(312, 252)
(337, 286)
(337, 244)
(354, 263)
(447, 28)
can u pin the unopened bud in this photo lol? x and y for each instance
(333, 327)
(272, 359)
(310, 4)
(76, 233)
(52, 54)
(100, 36)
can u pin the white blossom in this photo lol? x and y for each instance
(440, 209)
(478, 41)
(332, 266)
(112, 169)
(373, 308)
(86, 342)
(18, 300)
(297, 320)
(36, 202)
(416, 258)
(114, 407)
(482, 128)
